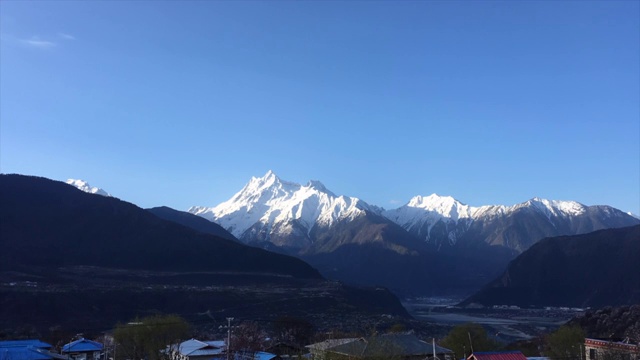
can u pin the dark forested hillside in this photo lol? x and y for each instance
(611, 322)
(595, 269)
(49, 224)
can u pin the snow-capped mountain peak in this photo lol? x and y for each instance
(84, 186)
(422, 213)
(269, 209)
(269, 178)
(444, 206)
(276, 208)
(317, 185)
(436, 207)
(261, 191)
(554, 207)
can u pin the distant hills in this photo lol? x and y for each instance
(71, 258)
(424, 243)
(590, 270)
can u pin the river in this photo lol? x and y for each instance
(503, 324)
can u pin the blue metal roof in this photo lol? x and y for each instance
(82, 345)
(261, 355)
(195, 347)
(206, 352)
(258, 355)
(27, 353)
(216, 343)
(31, 342)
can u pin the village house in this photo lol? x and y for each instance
(198, 350)
(318, 350)
(597, 349)
(257, 355)
(497, 355)
(27, 350)
(212, 350)
(83, 349)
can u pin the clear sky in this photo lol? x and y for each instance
(179, 103)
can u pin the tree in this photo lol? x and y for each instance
(458, 339)
(529, 348)
(248, 337)
(293, 330)
(397, 328)
(566, 343)
(149, 338)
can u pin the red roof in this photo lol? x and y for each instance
(497, 355)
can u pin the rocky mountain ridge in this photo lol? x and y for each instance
(269, 209)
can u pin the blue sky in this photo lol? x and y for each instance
(180, 103)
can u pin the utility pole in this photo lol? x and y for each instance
(229, 319)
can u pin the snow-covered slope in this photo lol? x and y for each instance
(84, 186)
(443, 219)
(433, 208)
(271, 209)
(287, 214)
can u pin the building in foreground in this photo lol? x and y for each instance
(83, 349)
(27, 350)
(597, 349)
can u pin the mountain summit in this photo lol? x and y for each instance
(84, 186)
(269, 209)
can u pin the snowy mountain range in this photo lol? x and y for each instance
(419, 248)
(84, 186)
(281, 212)
(269, 209)
(444, 221)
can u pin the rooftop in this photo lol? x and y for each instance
(498, 355)
(82, 345)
